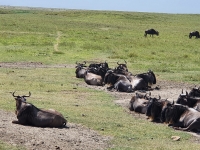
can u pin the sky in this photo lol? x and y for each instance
(158, 6)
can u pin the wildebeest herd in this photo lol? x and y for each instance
(152, 32)
(183, 114)
(119, 78)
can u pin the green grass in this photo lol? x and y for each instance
(32, 35)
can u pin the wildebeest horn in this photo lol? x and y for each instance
(159, 97)
(173, 103)
(13, 94)
(84, 62)
(28, 95)
(118, 62)
(186, 93)
(125, 61)
(182, 91)
(149, 93)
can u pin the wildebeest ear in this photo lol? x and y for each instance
(182, 91)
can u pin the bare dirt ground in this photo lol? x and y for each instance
(74, 136)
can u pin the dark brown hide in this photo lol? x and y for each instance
(138, 103)
(183, 118)
(28, 114)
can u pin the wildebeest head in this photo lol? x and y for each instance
(80, 69)
(122, 67)
(182, 99)
(195, 92)
(155, 107)
(166, 105)
(150, 105)
(20, 100)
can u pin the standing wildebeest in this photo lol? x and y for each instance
(185, 99)
(138, 103)
(28, 114)
(80, 70)
(151, 32)
(183, 118)
(194, 33)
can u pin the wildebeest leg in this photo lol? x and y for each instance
(193, 126)
(15, 122)
(19, 122)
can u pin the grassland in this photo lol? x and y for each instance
(67, 36)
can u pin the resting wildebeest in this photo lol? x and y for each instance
(138, 83)
(151, 32)
(148, 77)
(117, 81)
(80, 70)
(195, 92)
(28, 114)
(138, 103)
(189, 101)
(155, 107)
(92, 78)
(183, 118)
(121, 67)
(194, 33)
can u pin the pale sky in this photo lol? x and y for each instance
(159, 6)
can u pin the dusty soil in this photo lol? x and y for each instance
(74, 136)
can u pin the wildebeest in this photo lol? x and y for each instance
(121, 67)
(80, 69)
(138, 103)
(194, 33)
(189, 101)
(117, 81)
(28, 114)
(92, 78)
(148, 77)
(138, 83)
(183, 118)
(155, 107)
(195, 92)
(151, 32)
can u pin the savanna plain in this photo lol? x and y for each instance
(39, 49)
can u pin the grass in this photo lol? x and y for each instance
(31, 35)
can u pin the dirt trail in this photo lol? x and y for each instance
(57, 41)
(73, 137)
